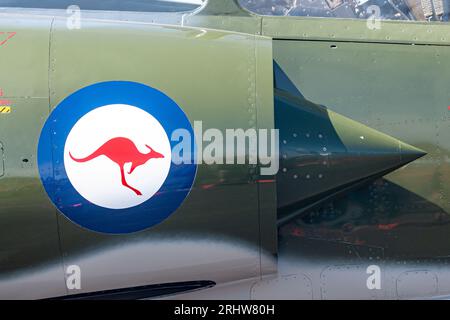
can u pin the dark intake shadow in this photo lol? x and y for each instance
(381, 220)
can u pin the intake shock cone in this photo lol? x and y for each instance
(323, 153)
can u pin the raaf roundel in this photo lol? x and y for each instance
(105, 157)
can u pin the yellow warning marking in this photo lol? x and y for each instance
(5, 109)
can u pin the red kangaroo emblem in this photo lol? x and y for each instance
(121, 151)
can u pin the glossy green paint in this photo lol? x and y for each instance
(394, 80)
(221, 78)
(401, 90)
(2, 161)
(28, 228)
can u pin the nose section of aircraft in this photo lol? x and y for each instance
(322, 152)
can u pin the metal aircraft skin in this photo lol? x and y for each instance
(359, 208)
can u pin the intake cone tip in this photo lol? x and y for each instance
(410, 153)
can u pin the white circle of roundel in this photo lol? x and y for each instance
(99, 180)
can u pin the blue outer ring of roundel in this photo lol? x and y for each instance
(56, 182)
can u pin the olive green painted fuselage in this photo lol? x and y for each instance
(217, 65)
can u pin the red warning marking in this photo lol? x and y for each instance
(121, 151)
(9, 35)
(448, 108)
(4, 102)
